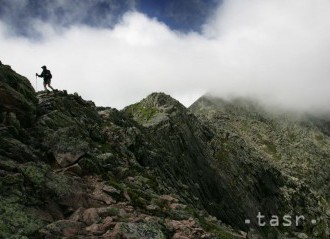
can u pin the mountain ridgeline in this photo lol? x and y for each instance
(158, 170)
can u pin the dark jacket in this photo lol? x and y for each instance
(46, 74)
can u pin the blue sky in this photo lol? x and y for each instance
(182, 15)
(116, 52)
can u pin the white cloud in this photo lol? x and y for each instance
(278, 50)
(275, 50)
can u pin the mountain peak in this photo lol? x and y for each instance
(155, 108)
(160, 100)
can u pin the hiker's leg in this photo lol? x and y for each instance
(50, 86)
(45, 86)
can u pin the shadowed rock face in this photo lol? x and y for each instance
(298, 144)
(153, 170)
(179, 153)
(278, 159)
(209, 164)
(18, 99)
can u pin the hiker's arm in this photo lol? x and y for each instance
(41, 75)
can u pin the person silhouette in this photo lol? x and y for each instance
(47, 78)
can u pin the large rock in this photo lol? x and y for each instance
(17, 96)
(67, 126)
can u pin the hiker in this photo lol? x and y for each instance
(47, 77)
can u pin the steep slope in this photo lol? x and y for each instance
(292, 147)
(71, 170)
(218, 170)
(177, 149)
(17, 97)
(179, 153)
(298, 143)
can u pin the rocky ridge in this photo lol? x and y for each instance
(69, 169)
(294, 146)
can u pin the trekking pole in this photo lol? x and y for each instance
(36, 84)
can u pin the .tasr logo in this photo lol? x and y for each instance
(276, 221)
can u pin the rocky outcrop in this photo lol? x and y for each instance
(218, 170)
(179, 153)
(263, 154)
(69, 169)
(18, 100)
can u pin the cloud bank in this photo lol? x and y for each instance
(276, 50)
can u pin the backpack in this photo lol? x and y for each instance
(48, 75)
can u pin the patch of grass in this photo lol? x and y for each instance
(271, 149)
(141, 113)
(137, 198)
(152, 182)
(35, 174)
(15, 222)
(113, 182)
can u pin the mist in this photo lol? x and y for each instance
(276, 51)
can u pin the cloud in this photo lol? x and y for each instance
(274, 50)
(277, 50)
(21, 15)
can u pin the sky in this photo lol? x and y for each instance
(116, 52)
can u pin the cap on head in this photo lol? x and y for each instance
(43, 67)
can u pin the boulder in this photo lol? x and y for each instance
(17, 97)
